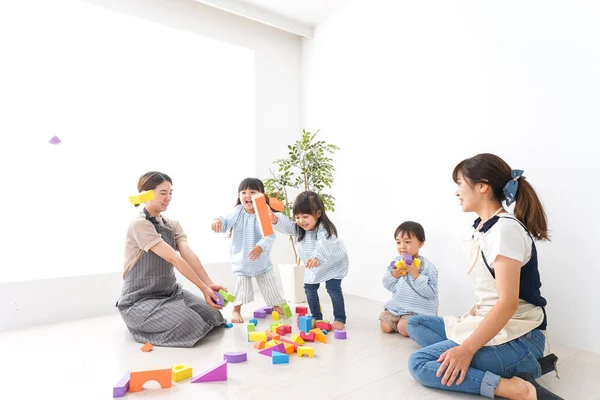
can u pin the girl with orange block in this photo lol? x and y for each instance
(324, 255)
(250, 251)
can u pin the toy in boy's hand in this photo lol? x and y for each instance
(406, 260)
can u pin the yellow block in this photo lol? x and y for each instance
(257, 336)
(271, 343)
(310, 351)
(319, 335)
(297, 339)
(275, 316)
(142, 197)
(274, 328)
(289, 348)
(181, 372)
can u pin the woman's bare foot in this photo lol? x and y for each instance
(516, 388)
(337, 325)
(236, 315)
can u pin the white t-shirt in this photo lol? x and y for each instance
(506, 237)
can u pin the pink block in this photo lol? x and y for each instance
(324, 325)
(309, 337)
(301, 310)
(339, 334)
(296, 345)
(235, 357)
(269, 352)
(218, 373)
(122, 387)
(288, 329)
(281, 330)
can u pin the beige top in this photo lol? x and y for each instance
(142, 236)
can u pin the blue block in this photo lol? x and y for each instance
(325, 331)
(305, 324)
(280, 358)
(254, 321)
(229, 325)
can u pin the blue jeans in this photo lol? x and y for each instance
(489, 364)
(334, 288)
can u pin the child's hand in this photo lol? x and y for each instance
(255, 253)
(412, 269)
(272, 216)
(312, 262)
(217, 225)
(398, 272)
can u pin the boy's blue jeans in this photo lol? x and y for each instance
(334, 288)
(489, 364)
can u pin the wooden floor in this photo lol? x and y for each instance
(84, 359)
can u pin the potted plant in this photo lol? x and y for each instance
(308, 166)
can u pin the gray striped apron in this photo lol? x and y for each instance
(157, 309)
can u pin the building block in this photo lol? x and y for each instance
(260, 314)
(122, 387)
(271, 343)
(286, 310)
(142, 197)
(281, 330)
(254, 321)
(319, 335)
(301, 310)
(274, 327)
(275, 316)
(227, 296)
(257, 337)
(235, 357)
(302, 350)
(276, 204)
(288, 328)
(262, 214)
(215, 374)
(297, 339)
(181, 372)
(147, 347)
(268, 310)
(138, 378)
(309, 337)
(229, 325)
(269, 351)
(339, 334)
(221, 300)
(289, 348)
(280, 358)
(325, 331)
(324, 326)
(259, 345)
(322, 320)
(251, 327)
(285, 341)
(305, 324)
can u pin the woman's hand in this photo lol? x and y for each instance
(216, 288)
(211, 298)
(312, 262)
(454, 361)
(217, 225)
(255, 253)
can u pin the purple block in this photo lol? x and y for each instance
(218, 373)
(260, 314)
(235, 357)
(122, 387)
(268, 310)
(339, 334)
(269, 352)
(221, 301)
(408, 259)
(54, 140)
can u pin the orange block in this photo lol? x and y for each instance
(276, 204)
(259, 345)
(138, 378)
(147, 347)
(262, 214)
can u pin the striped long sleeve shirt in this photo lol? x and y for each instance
(246, 234)
(330, 251)
(410, 295)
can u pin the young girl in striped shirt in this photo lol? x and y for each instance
(324, 255)
(414, 289)
(250, 252)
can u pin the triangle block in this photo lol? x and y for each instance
(216, 374)
(269, 351)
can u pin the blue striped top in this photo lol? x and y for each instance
(246, 235)
(330, 252)
(410, 295)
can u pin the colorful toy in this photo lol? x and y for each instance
(229, 325)
(227, 297)
(262, 214)
(300, 310)
(275, 316)
(309, 337)
(276, 204)
(181, 372)
(260, 314)
(122, 387)
(218, 373)
(326, 326)
(305, 324)
(235, 357)
(339, 334)
(142, 197)
(254, 321)
(401, 264)
(308, 350)
(147, 347)
(251, 327)
(138, 378)
(280, 348)
(280, 358)
(286, 310)
(257, 337)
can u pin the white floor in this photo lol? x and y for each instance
(84, 359)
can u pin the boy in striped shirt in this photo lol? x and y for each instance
(414, 286)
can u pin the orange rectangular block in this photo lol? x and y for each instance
(262, 214)
(147, 347)
(138, 378)
(276, 204)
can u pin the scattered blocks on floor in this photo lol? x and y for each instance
(181, 372)
(285, 341)
(122, 387)
(147, 347)
(260, 314)
(254, 321)
(305, 324)
(215, 374)
(229, 325)
(268, 310)
(289, 348)
(269, 351)
(319, 335)
(251, 327)
(259, 345)
(138, 378)
(271, 343)
(257, 337)
(275, 316)
(234, 358)
(286, 310)
(301, 310)
(281, 330)
(280, 358)
(325, 332)
(226, 296)
(339, 334)
(309, 337)
(323, 325)
(297, 339)
(302, 350)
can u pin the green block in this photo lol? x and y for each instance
(286, 310)
(225, 302)
(250, 327)
(226, 296)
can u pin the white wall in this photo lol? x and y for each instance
(408, 89)
(277, 123)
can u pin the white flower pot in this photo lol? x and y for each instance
(292, 280)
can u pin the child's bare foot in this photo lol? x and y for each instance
(314, 323)
(337, 325)
(279, 311)
(236, 315)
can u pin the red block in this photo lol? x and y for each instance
(308, 337)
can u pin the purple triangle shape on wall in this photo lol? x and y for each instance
(218, 373)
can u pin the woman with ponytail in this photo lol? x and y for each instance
(496, 348)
